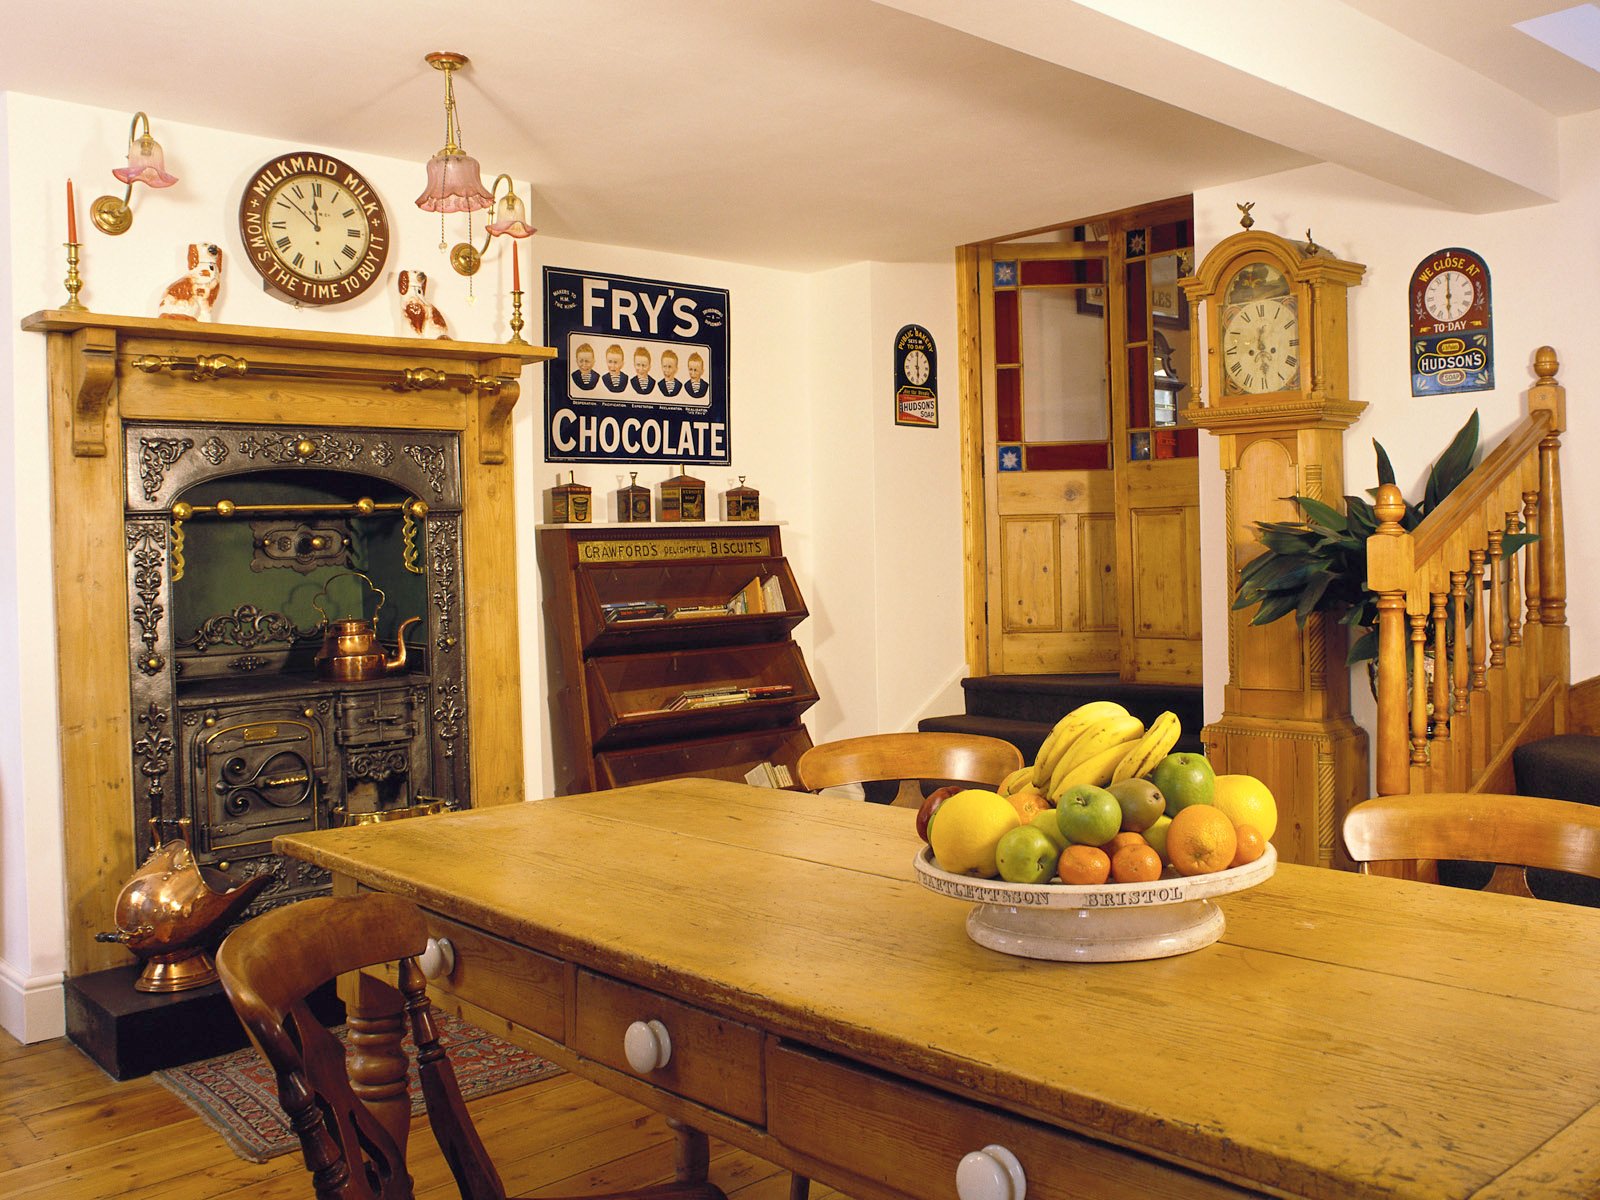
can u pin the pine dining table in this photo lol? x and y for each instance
(762, 965)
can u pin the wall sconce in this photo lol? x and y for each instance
(455, 183)
(510, 218)
(147, 163)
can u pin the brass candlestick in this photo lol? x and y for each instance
(74, 281)
(516, 338)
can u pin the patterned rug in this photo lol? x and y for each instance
(237, 1095)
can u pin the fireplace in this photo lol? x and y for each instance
(244, 542)
(213, 486)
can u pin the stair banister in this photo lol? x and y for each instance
(1508, 673)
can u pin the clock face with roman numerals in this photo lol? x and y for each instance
(1261, 346)
(314, 228)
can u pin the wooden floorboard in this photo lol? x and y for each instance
(68, 1131)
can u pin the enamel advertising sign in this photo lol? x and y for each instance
(1452, 324)
(640, 373)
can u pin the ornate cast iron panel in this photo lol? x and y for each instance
(232, 728)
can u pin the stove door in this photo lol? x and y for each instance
(257, 778)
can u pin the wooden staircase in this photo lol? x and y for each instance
(1473, 657)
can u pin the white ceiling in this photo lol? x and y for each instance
(810, 133)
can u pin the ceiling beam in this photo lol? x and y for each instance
(1316, 76)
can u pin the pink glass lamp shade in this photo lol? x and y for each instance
(147, 163)
(511, 218)
(455, 184)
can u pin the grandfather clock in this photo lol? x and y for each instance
(1278, 399)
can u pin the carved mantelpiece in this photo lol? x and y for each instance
(306, 396)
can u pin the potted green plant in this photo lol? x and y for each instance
(1320, 564)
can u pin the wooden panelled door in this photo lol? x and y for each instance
(1090, 492)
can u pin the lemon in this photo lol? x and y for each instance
(970, 826)
(1247, 801)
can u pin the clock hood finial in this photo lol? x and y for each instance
(1245, 219)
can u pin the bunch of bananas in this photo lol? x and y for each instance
(1100, 743)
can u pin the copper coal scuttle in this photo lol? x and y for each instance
(173, 911)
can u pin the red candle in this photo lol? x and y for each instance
(516, 271)
(72, 216)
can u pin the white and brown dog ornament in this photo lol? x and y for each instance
(192, 296)
(419, 316)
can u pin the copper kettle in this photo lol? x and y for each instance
(351, 651)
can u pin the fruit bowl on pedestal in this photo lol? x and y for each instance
(1106, 922)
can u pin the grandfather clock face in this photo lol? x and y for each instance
(1260, 333)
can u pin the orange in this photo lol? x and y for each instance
(1251, 845)
(1135, 863)
(1200, 840)
(1028, 801)
(1247, 801)
(1084, 865)
(1125, 838)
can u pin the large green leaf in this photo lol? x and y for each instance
(1385, 467)
(1323, 514)
(1453, 466)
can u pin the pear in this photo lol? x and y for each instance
(1141, 801)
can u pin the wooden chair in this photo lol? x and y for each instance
(353, 1131)
(908, 759)
(1406, 836)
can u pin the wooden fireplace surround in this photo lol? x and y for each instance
(248, 375)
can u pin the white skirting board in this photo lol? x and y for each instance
(32, 1009)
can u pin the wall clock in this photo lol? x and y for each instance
(1452, 324)
(313, 228)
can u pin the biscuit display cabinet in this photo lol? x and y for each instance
(671, 654)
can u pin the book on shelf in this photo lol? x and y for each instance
(715, 697)
(699, 610)
(633, 610)
(770, 775)
(747, 599)
(772, 598)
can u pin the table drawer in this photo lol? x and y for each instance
(522, 985)
(714, 1061)
(910, 1138)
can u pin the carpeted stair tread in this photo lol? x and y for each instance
(1563, 767)
(1044, 699)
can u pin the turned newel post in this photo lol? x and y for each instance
(1547, 395)
(1393, 743)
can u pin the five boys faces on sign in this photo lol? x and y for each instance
(641, 382)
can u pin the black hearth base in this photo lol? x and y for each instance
(131, 1033)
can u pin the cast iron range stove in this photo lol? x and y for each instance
(246, 547)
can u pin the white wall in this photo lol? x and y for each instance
(811, 428)
(1541, 263)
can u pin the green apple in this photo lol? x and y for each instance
(1141, 801)
(1088, 815)
(1046, 821)
(1026, 855)
(1156, 835)
(1184, 779)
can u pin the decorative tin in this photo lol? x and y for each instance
(633, 501)
(569, 502)
(741, 503)
(683, 498)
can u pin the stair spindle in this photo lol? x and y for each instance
(1497, 600)
(1530, 563)
(1419, 688)
(1480, 647)
(1513, 590)
(1441, 669)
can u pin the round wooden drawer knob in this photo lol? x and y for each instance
(992, 1173)
(647, 1046)
(439, 959)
